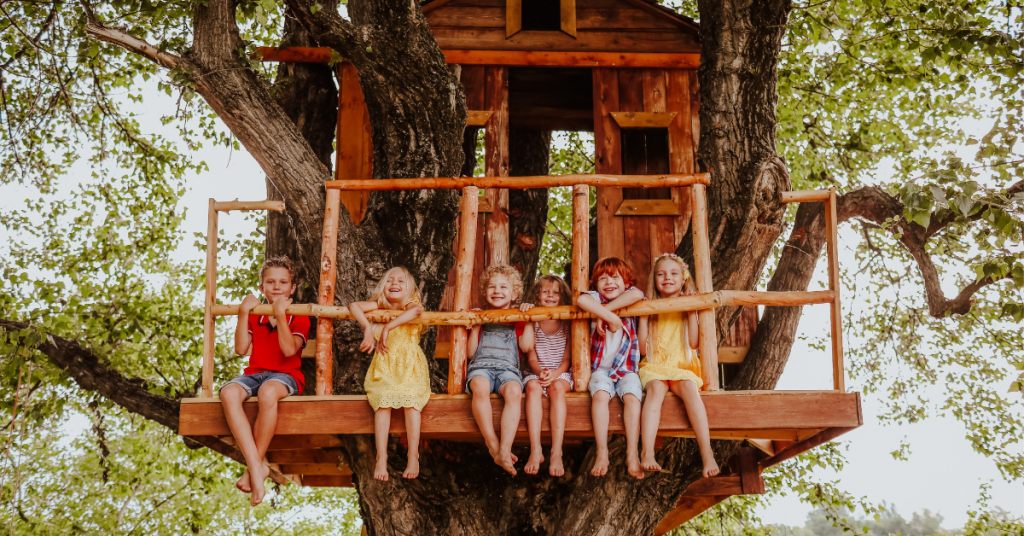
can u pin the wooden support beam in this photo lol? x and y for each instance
(687, 509)
(750, 473)
(478, 118)
(523, 183)
(228, 206)
(766, 446)
(580, 279)
(513, 17)
(732, 354)
(806, 444)
(608, 159)
(325, 296)
(680, 145)
(803, 196)
(567, 16)
(702, 276)
(648, 207)
(716, 485)
(463, 287)
(832, 245)
(329, 481)
(209, 320)
(496, 246)
(643, 119)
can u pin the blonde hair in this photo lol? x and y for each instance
(653, 294)
(412, 292)
(501, 269)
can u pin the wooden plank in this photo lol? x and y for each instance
(334, 481)
(478, 118)
(567, 16)
(210, 299)
(669, 15)
(655, 92)
(303, 441)
(473, 82)
(754, 412)
(607, 160)
(778, 299)
(750, 474)
(636, 231)
(766, 446)
(680, 146)
(513, 17)
(315, 469)
(836, 311)
(468, 16)
(650, 41)
(268, 204)
(687, 509)
(434, 5)
(580, 280)
(647, 207)
(804, 196)
(718, 485)
(742, 331)
(643, 119)
(325, 295)
(664, 180)
(732, 354)
(496, 246)
(463, 282)
(318, 456)
(702, 276)
(806, 444)
(472, 56)
(351, 143)
(694, 111)
(612, 18)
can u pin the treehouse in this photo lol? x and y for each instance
(626, 71)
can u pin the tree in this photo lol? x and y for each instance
(82, 308)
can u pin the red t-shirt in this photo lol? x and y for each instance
(266, 350)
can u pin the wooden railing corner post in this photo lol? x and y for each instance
(703, 277)
(209, 321)
(580, 274)
(463, 281)
(832, 251)
(325, 295)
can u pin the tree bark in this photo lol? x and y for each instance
(529, 154)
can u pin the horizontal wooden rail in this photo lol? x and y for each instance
(227, 206)
(804, 196)
(696, 302)
(523, 183)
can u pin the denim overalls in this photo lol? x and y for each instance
(496, 357)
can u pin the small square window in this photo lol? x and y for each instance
(540, 16)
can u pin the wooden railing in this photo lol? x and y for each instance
(704, 302)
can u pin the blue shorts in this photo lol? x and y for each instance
(626, 385)
(252, 382)
(497, 378)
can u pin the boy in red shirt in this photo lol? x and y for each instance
(273, 370)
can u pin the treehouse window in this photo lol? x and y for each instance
(540, 16)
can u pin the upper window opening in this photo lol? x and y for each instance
(542, 15)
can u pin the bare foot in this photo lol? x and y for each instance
(412, 469)
(533, 464)
(380, 471)
(601, 463)
(710, 469)
(507, 462)
(648, 463)
(556, 469)
(633, 467)
(243, 483)
(257, 476)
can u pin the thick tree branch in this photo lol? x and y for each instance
(121, 38)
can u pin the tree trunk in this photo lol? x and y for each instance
(529, 154)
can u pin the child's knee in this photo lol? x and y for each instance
(480, 386)
(233, 393)
(601, 397)
(512, 391)
(558, 387)
(656, 387)
(533, 388)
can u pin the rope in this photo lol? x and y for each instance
(10, 438)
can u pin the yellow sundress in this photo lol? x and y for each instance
(673, 359)
(399, 378)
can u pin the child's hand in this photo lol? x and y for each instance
(281, 305)
(614, 325)
(248, 303)
(384, 338)
(523, 307)
(368, 342)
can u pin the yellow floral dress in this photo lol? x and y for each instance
(672, 359)
(400, 377)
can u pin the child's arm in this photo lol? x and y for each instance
(358, 310)
(641, 333)
(528, 338)
(412, 312)
(534, 362)
(474, 339)
(242, 337)
(285, 337)
(627, 298)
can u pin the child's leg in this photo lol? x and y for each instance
(687, 390)
(599, 414)
(231, 397)
(631, 420)
(656, 390)
(381, 427)
(556, 401)
(512, 392)
(266, 423)
(534, 419)
(481, 388)
(412, 430)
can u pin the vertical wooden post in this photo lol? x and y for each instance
(580, 273)
(209, 321)
(463, 283)
(608, 160)
(328, 276)
(702, 276)
(496, 142)
(832, 248)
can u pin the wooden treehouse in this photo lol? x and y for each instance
(626, 71)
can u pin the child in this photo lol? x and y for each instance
(668, 341)
(614, 358)
(547, 345)
(495, 365)
(399, 376)
(273, 371)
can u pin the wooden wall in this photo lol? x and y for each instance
(354, 148)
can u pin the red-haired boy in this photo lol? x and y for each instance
(614, 358)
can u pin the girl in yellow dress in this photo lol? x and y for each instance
(669, 341)
(398, 376)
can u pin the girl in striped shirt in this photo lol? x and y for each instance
(547, 342)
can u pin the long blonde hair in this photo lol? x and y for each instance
(654, 294)
(412, 293)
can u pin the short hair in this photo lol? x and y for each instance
(278, 262)
(611, 266)
(501, 269)
(563, 289)
(413, 293)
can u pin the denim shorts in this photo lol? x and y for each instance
(252, 382)
(626, 385)
(496, 376)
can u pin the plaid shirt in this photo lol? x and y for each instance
(627, 356)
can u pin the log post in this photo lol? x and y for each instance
(580, 275)
(496, 148)
(328, 275)
(463, 282)
(832, 248)
(209, 321)
(702, 276)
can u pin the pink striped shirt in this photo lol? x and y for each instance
(550, 347)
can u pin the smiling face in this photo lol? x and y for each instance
(550, 294)
(396, 286)
(611, 285)
(277, 283)
(668, 277)
(500, 293)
